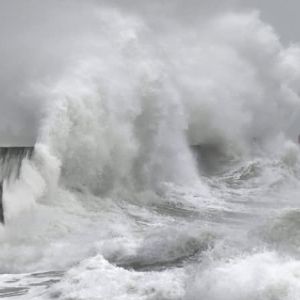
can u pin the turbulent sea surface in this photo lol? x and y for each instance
(166, 166)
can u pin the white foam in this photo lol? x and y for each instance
(262, 276)
(96, 278)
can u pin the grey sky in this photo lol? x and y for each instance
(283, 15)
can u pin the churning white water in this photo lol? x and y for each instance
(166, 165)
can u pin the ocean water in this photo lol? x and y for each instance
(166, 165)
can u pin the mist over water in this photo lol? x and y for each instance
(166, 163)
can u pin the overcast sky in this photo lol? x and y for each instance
(283, 15)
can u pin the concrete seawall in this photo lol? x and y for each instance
(10, 165)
